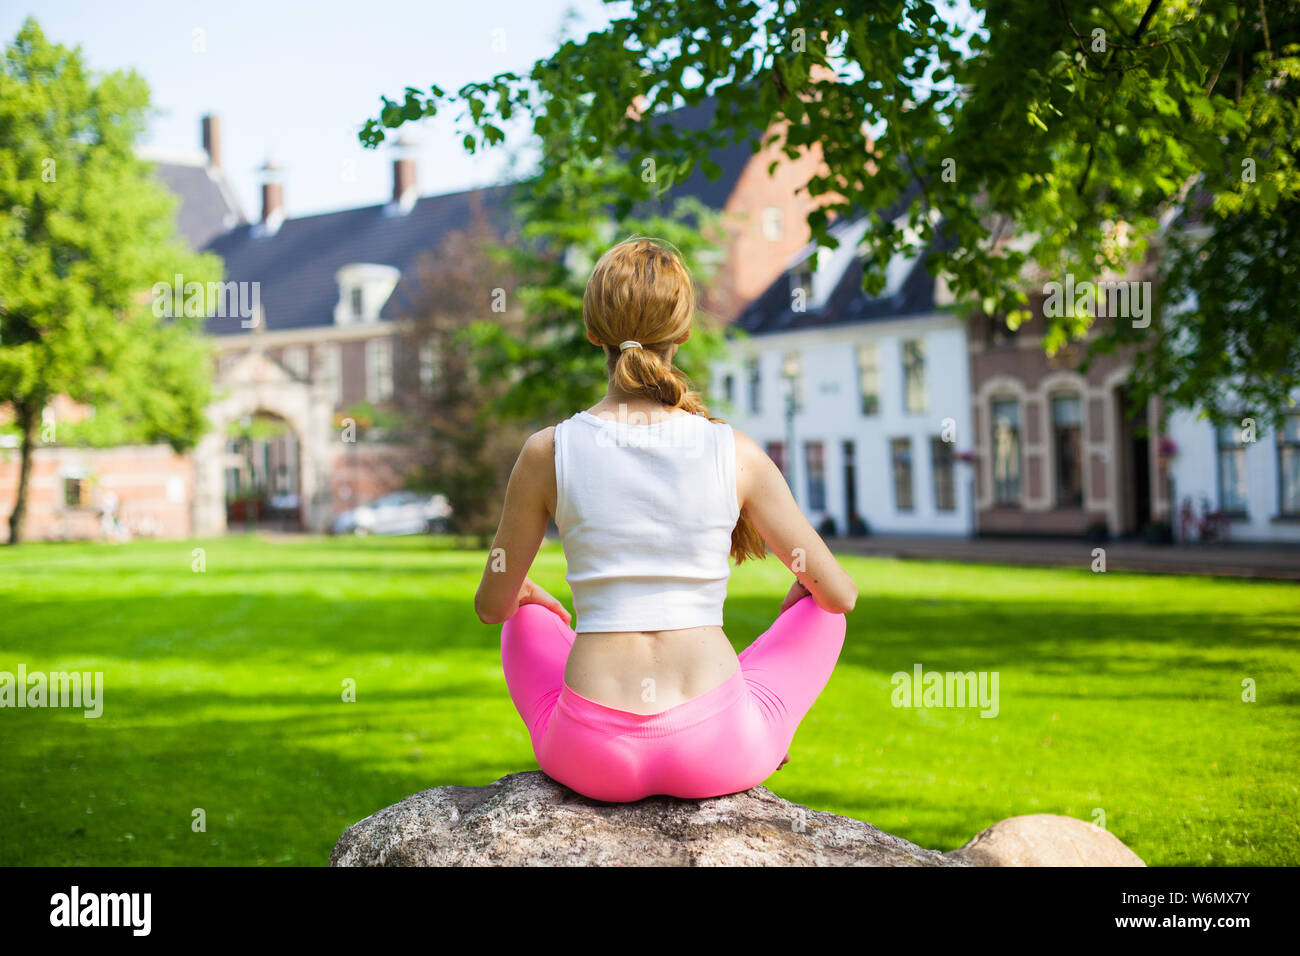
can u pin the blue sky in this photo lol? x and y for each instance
(297, 79)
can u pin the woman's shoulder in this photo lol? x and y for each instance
(745, 445)
(540, 443)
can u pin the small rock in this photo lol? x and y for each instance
(1045, 839)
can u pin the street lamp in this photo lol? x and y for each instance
(790, 389)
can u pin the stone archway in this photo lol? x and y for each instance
(256, 385)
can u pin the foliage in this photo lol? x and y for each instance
(1048, 139)
(86, 232)
(464, 451)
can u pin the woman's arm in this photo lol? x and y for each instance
(529, 497)
(766, 498)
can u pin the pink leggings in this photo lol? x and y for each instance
(725, 740)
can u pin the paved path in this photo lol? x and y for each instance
(1277, 561)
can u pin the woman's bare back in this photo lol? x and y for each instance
(646, 672)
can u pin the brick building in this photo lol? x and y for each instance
(323, 339)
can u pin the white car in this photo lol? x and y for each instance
(402, 512)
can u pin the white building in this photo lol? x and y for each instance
(880, 412)
(1246, 471)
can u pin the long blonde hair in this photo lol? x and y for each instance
(641, 290)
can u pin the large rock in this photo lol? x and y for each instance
(527, 819)
(1044, 839)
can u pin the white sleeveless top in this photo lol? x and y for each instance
(645, 514)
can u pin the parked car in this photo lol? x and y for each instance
(402, 512)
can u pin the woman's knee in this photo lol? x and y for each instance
(530, 617)
(831, 623)
(529, 623)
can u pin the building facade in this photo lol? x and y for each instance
(320, 348)
(1244, 472)
(863, 403)
(1059, 451)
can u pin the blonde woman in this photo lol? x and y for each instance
(651, 497)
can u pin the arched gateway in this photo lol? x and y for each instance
(257, 386)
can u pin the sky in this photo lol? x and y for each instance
(295, 80)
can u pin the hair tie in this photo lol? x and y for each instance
(628, 344)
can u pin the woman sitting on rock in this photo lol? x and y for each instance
(651, 496)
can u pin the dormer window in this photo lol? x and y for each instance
(364, 288)
(801, 278)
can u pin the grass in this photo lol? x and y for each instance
(223, 693)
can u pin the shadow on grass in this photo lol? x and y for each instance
(263, 743)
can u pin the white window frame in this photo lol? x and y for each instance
(379, 369)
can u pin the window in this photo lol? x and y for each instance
(776, 451)
(1232, 470)
(755, 385)
(1288, 465)
(815, 457)
(428, 367)
(329, 367)
(358, 302)
(1067, 445)
(379, 370)
(729, 388)
(941, 463)
(900, 455)
(914, 376)
(76, 491)
(1006, 452)
(801, 285)
(773, 223)
(869, 378)
(295, 360)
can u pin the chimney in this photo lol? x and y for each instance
(212, 139)
(272, 195)
(405, 188)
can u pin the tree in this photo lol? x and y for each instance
(463, 450)
(86, 232)
(1033, 137)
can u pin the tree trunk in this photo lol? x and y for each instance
(25, 417)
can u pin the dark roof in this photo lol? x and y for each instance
(206, 209)
(731, 157)
(296, 265)
(847, 303)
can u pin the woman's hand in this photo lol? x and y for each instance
(796, 593)
(534, 593)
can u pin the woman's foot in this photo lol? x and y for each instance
(784, 760)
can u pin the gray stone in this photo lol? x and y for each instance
(527, 819)
(1045, 839)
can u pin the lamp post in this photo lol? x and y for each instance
(789, 388)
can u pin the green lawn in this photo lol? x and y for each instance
(223, 691)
